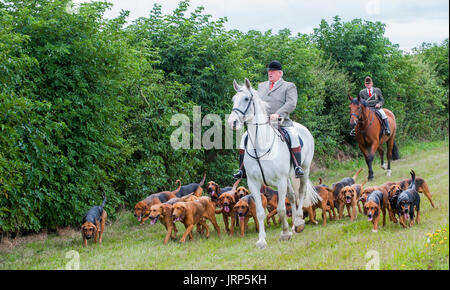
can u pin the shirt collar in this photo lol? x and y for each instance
(275, 83)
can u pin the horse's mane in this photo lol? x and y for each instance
(362, 102)
(256, 98)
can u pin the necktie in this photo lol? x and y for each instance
(370, 92)
(271, 85)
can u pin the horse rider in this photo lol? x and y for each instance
(375, 100)
(281, 98)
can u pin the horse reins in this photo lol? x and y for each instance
(256, 157)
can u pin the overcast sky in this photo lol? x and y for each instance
(408, 22)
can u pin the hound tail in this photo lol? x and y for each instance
(413, 180)
(203, 180)
(236, 184)
(179, 186)
(362, 184)
(104, 200)
(356, 174)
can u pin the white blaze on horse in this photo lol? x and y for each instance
(266, 147)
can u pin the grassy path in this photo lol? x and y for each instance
(339, 245)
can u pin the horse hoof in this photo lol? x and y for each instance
(374, 231)
(384, 166)
(285, 237)
(299, 229)
(261, 244)
(388, 173)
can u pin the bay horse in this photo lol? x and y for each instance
(369, 134)
(267, 160)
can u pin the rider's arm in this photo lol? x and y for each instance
(380, 98)
(291, 102)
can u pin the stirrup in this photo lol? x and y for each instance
(240, 174)
(352, 133)
(299, 171)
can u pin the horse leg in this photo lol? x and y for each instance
(281, 210)
(372, 150)
(254, 188)
(292, 195)
(298, 222)
(381, 152)
(368, 156)
(369, 160)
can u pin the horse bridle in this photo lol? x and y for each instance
(256, 157)
(358, 116)
(248, 106)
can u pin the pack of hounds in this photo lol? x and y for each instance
(188, 205)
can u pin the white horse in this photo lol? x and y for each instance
(265, 143)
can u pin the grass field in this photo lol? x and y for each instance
(340, 245)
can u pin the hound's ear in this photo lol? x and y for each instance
(236, 86)
(248, 84)
(220, 200)
(340, 195)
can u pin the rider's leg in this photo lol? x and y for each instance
(241, 172)
(387, 130)
(296, 150)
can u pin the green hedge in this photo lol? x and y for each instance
(86, 102)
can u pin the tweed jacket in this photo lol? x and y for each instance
(282, 99)
(377, 97)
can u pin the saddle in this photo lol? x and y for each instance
(285, 137)
(381, 121)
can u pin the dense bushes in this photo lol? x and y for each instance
(86, 102)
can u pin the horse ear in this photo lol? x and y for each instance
(248, 84)
(359, 98)
(235, 86)
(350, 98)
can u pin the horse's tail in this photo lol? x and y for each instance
(395, 152)
(311, 196)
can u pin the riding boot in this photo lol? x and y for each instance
(241, 172)
(297, 162)
(387, 130)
